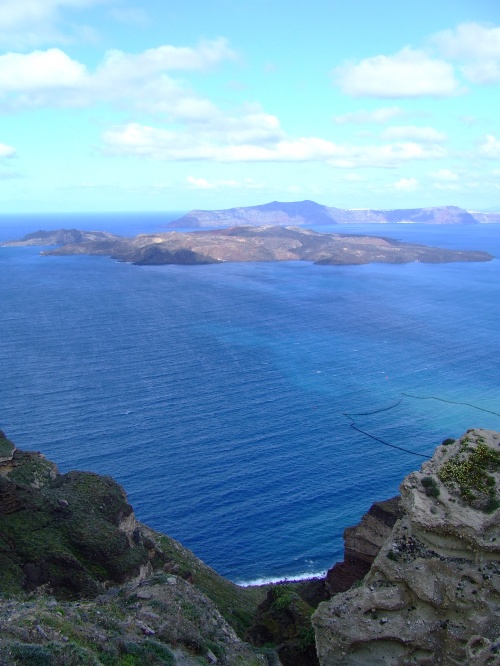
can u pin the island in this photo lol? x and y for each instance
(244, 244)
(310, 213)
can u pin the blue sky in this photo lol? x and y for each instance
(116, 105)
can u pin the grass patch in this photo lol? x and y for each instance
(6, 447)
(430, 486)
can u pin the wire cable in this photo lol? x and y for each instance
(353, 425)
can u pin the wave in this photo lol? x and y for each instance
(280, 579)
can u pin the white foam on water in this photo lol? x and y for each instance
(287, 579)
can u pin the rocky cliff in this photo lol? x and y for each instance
(432, 594)
(362, 544)
(83, 582)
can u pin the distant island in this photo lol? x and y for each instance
(244, 243)
(310, 213)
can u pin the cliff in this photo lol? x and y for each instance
(432, 594)
(83, 582)
(247, 243)
(310, 213)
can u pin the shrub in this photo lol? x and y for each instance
(430, 486)
(31, 655)
(468, 471)
(283, 597)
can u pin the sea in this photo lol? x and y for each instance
(222, 397)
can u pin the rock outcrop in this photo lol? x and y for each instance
(283, 620)
(432, 595)
(74, 533)
(161, 621)
(83, 582)
(362, 544)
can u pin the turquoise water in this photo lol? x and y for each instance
(216, 394)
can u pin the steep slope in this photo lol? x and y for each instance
(76, 535)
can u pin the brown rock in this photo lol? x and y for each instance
(362, 544)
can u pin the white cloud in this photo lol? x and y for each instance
(445, 175)
(198, 183)
(477, 47)
(52, 78)
(119, 65)
(469, 41)
(381, 115)
(407, 185)
(31, 22)
(34, 71)
(409, 73)
(215, 145)
(490, 147)
(6, 151)
(412, 133)
(204, 184)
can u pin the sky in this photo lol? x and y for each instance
(121, 105)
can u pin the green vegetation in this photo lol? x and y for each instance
(118, 629)
(430, 486)
(32, 471)
(6, 446)
(283, 597)
(306, 638)
(468, 472)
(448, 441)
(236, 604)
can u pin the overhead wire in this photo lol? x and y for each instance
(353, 425)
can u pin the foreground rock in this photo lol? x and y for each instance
(244, 243)
(432, 595)
(162, 621)
(283, 620)
(83, 582)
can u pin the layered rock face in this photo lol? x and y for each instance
(362, 544)
(432, 595)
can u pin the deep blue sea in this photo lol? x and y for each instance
(216, 394)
